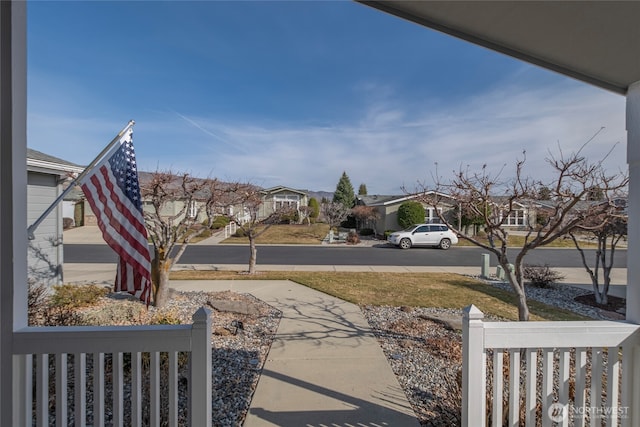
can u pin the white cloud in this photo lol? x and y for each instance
(388, 146)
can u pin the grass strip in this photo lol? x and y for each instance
(440, 290)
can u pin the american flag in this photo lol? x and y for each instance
(113, 191)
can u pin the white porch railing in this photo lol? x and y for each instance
(58, 393)
(549, 373)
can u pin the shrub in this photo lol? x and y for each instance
(410, 213)
(121, 313)
(290, 218)
(541, 276)
(240, 233)
(366, 232)
(352, 238)
(38, 302)
(387, 233)
(75, 296)
(165, 318)
(219, 222)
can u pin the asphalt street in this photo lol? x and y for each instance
(342, 255)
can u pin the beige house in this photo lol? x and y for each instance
(279, 197)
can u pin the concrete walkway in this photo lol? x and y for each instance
(325, 367)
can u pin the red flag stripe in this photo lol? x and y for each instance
(108, 195)
(113, 229)
(123, 204)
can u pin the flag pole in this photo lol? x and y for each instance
(32, 228)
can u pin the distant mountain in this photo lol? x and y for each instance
(318, 195)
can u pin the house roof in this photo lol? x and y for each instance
(596, 42)
(281, 188)
(378, 200)
(38, 161)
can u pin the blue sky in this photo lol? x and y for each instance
(294, 93)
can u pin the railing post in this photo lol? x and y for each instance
(201, 368)
(473, 369)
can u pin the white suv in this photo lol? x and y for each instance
(424, 235)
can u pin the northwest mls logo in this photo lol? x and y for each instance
(557, 412)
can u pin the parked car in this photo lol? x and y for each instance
(437, 235)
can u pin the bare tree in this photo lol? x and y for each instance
(334, 213)
(244, 202)
(305, 213)
(170, 233)
(487, 196)
(607, 230)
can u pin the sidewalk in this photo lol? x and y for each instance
(325, 367)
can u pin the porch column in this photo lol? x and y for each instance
(13, 195)
(633, 159)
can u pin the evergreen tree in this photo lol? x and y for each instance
(362, 190)
(315, 206)
(344, 192)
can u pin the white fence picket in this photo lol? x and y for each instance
(580, 398)
(514, 389)
(118, 385)
(80, 386)
(136, 389)
(173, 389)
(564, 375)
(61, 389)
(42, 390)
(113, 343)
(532, 374)
(498, 386)
(613, 384)
(596, 350)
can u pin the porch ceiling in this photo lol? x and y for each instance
(596, 42)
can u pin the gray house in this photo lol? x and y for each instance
(387, 207)
(45, 176)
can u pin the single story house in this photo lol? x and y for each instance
(522, 214)
(45, 176)
(279, 197)
(387, 207)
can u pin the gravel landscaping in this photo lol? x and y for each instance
(423, 351)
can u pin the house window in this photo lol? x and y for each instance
(431, 217)
(286, 202)
(516, 218)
